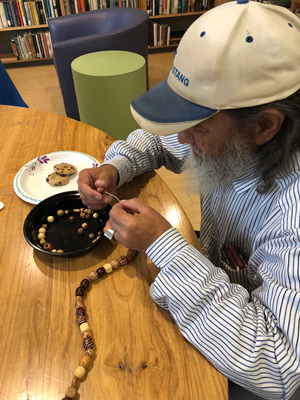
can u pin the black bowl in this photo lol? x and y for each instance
(62, 234)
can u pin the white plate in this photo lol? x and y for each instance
(30, 182)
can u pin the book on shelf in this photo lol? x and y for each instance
(159, 34)
(31, 45)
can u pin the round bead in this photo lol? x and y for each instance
(66, 398)
(80, 232)
(115, 264)
(80, 311)
(75, 382)
(78, 298)
(84, 225)
(129, 257)
(92, 276)
(80, 319)
(79, 304)
(132, 252)
(85, 283)
(71, 219)
(96, 215)
(71, 392)
(85, 361)
(107, 267)
(100, 272)
(79, 372)
(60, 213)
(79, 291)
(90, 352)
(47, 247)
(42, 230)
(91, 235)
(84, 327)
(50, 219)
(123, 260)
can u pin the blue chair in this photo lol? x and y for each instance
(9, 95)
(107, 29)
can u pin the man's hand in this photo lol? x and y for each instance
(137, 225)
(93, 182)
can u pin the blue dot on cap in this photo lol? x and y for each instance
(249, 39)
(202, 33)
(242, 1)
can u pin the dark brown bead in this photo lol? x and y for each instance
(80, 319)
(71, 219)
(80, 311)
(88, 343)
(66, 398)
(100, 271)
(85, 283)
(79, 291)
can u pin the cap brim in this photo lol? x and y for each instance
(161, 111)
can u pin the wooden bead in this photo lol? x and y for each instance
(75, 382)
(84, 327)
(101, 271)
(79, 298)
(79, 291)
(79, 304)
(92, 276)
(85, 283)
(80, 319)
(90, 352)
(88, 343)
(85, 361)
(79, 372)
(123, 260)
(115, 264)
(71, 392)
(132, 252)
(107, 267)
(80, 311)
(129, 257)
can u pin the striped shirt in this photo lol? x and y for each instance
(250, 334)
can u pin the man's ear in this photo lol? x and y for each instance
(268, 125)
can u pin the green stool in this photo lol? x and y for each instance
(105, 84)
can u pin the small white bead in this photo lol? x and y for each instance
(107, 267)
(79, 372)
(84, 327)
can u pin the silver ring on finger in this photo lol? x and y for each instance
(109, 234)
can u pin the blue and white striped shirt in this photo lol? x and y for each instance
(253, 339)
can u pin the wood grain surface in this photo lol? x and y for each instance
(140, 353)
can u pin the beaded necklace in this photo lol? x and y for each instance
(81, 319)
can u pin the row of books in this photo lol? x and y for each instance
(166, 7)
(159, 35)
(32, 45)
(27, 12)
(35, 12)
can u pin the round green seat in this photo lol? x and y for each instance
(105, 84)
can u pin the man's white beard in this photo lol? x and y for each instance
(204, 173)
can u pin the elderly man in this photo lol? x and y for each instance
(233, 95)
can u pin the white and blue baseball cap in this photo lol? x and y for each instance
(240, 54)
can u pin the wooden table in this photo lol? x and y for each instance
(140, 353)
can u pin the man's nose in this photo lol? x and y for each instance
(186, 137)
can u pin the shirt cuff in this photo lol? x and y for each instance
(166, 247)
(123, 167)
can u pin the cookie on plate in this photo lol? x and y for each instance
(55, 179)
(65, 169)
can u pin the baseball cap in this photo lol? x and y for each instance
(240, 54)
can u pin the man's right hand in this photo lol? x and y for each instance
(92, 184)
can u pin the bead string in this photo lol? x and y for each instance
(81, 319)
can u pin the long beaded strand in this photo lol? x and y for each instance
(81, 319)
